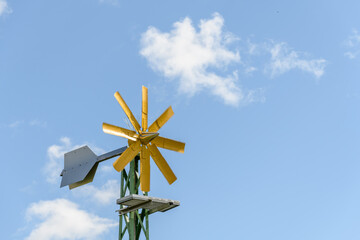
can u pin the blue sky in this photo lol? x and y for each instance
(266, 96)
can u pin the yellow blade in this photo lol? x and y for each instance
(130, 142)
(169, 144)
(145, 169)
(127, 156)
(161, 120)
(119, 131)
(127, 111)
(161, 163)
(144, 118)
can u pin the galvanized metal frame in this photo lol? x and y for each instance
(136, 221)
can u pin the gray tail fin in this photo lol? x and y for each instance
(79, 167)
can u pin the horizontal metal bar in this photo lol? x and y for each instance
(132, 208)
(111, 154)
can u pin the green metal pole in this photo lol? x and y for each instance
(132, 223)
(136, 191)
(147, 221)
(121, 195)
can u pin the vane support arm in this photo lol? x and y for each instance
(107, 156)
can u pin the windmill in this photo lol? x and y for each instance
(145, 141)
(80, 166)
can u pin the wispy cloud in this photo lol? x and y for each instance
(201, 59)
(352, 43)
(37, 123)
(284, 59)
(103, 195)
(15, 124)
(4, 7)
(62, 219)
(31, 123)
(111, 2)
(55, 162)
(189, 55)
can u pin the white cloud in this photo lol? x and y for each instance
(283, 59)
(200, 59)
(103, 195)
(55, 163)
(56, 155)
(106, 169)
(4, 7)
(352, 43)
(62, 219)
(192, 57)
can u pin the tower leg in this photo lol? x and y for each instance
(133, 190)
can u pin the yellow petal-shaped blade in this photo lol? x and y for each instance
(127, 111)
(145, 169)
(161, 163)
(119, 131)
(155, 126)
(127, 156)
(144, 118)
(169, 144)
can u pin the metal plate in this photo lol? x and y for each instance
(77, 165)
(88, 179)
(134, 202)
